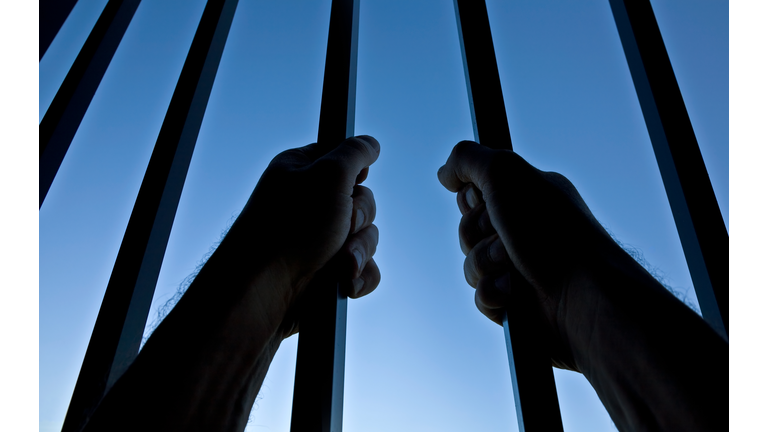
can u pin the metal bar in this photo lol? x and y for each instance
(120, 324)
(530, 364)
(53, 13)
(68, 107)
(694, 206)
(318, 394)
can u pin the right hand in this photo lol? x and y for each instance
(524, 228)
(309, 211)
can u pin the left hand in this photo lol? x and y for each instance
(309, 207)
(526, 229)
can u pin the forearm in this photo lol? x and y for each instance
(203, 366)
(654, 363)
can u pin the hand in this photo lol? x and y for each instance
(213, 350)
(309, 211)
(523, 228)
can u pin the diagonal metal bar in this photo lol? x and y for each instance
(68, 107)
(123, 315)
(53, 13)
(529, 361)
(318, 395)
(694, 206)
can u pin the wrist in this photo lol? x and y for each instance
(601, 292)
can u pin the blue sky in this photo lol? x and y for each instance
(419, 355)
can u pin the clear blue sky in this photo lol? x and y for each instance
(419, 355)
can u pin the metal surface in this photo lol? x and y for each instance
(120, 324)
(318, 395)
(68, 107)
(533, 382)
(52, 15)
(486, 101)
(694, 205)
(529, 361)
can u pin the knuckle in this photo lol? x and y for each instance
(558, 180)
(481, 307)
(468, 235)
(360, 145)
(463, 146)
(364, 199)
(362, 192)
(469, 271)
(374, 233)
(372, 240)
(465, 244)
(483, 296)
(459, 150)
(464, 247)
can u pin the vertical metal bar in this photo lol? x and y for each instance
(68, 107)
(120, 324)
(52, 15)
(318, 395)
(694, 206)
(529, 361)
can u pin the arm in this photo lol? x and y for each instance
(203, 366)
(653, 362)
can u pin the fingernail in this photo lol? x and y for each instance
(497, 252)
(359, 219)
(359, 259)
(472, 198)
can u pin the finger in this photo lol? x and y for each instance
(363, 208)
(466, 164)
(494, 314)
(367, 282)
(468, 198)
(488, 257)
(298, 157)
(311, 151)
(358, 250)
(362, 176)
(494, 293)
(474, 227)
(352, 156)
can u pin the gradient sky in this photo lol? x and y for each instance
(420, 357)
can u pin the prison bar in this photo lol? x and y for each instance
(52, 15)
(122, 317)
(530, 364)
(694, 206)
(64, 115)
(318, 394)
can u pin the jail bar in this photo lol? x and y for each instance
(318, 394)
(120, 324)
(68, 107)
(530, 364)
(52, 15)
(689, 191)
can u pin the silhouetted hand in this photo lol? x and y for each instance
(522, 228)
(203, 366)
(643, 351)
(310, 211)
